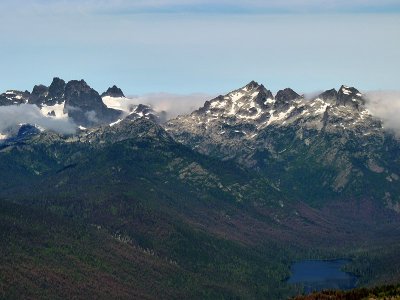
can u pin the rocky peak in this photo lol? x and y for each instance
(286, 95)
(12, 97)
(77, 87)
(43, 95)
(263, 96)
(331, 94)
(284, 99)
(350, 96)
(248, 102)
(27, 130)
(113, 91)
(144, 111)
(85, 106)
(348, 90)
(39, 94)
(128, 128)
(251, 85)
(19, 133)
(56, 91)
(80, 95)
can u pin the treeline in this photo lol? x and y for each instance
(381, 292)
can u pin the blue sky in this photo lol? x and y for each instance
(201, 46)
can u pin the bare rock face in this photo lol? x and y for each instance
(56, 92)
(329, 95)
(113, 91)
(43, 95)
(39, 94)
(85, 106)
(284, 98)
(349, 96)
(13, 97)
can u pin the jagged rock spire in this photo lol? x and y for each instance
(113, 91)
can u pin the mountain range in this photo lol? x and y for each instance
(213, 204)
(76, 100)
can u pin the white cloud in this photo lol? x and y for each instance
(386, 106)
(13, 115)
(172, 104)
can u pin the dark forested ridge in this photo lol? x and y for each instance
(381, 292)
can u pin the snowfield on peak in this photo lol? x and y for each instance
(120, 103)
(130, 109)
(56, 111)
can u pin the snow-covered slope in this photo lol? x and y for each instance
(130, 109)
(119, 103)
(54, 111)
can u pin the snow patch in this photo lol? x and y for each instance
(58, 111)
(281, 116)
(254, 94)
(236, 96)
(120, 103)
(115, 123)
(365, 113)
(270, 101)
(345, 90)
(322, 109)
(218, 104)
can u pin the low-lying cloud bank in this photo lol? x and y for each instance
(11, 116)
(172, 104)
(385, 105)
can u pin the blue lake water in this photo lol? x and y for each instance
(317, 275)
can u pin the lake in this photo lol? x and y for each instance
(317, 275)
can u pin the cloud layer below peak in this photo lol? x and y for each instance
(385, 105)
(13, 115)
